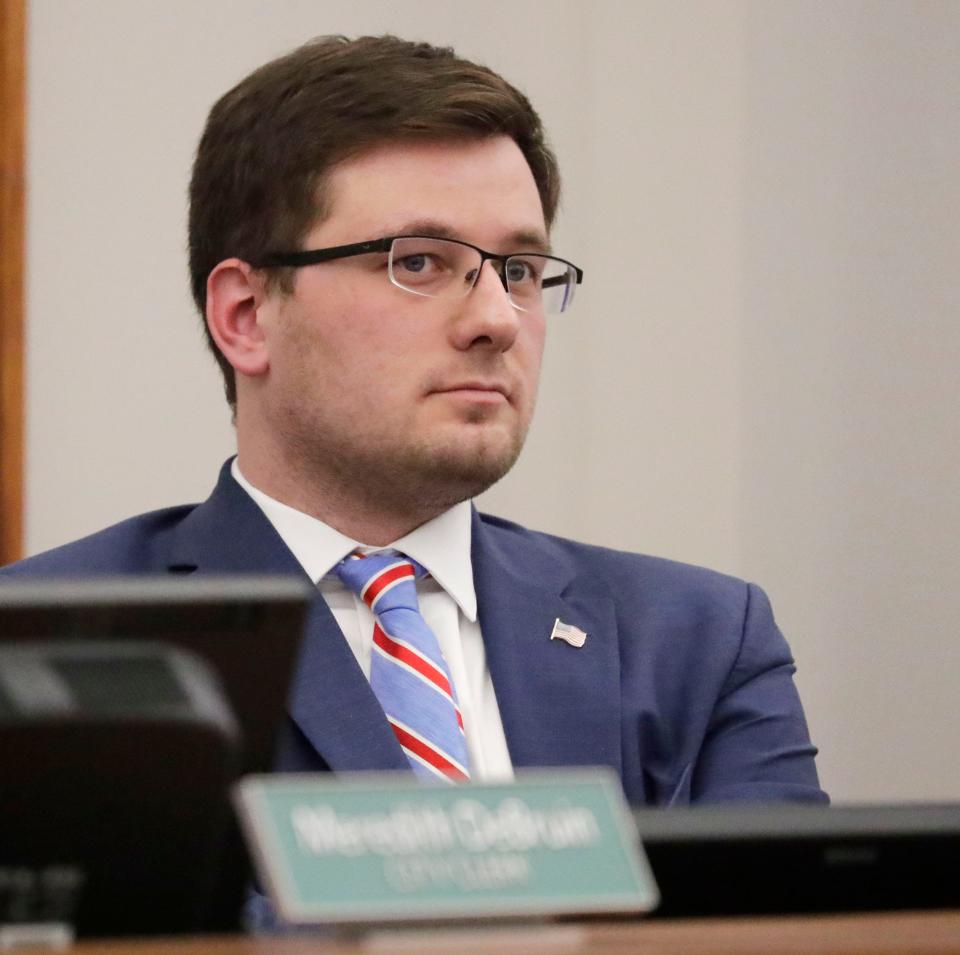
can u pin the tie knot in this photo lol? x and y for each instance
(382, 581)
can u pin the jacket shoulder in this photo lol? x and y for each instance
(618, 572)
(134, 546)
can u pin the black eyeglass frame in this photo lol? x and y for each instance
(297, 260)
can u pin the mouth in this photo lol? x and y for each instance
(486, 392)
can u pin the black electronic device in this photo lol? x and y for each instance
(726, 860)
(128, 707)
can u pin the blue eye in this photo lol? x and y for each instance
(520, 270)
(414, 263)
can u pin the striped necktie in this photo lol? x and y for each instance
(408, 674)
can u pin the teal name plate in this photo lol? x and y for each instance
(384, 848)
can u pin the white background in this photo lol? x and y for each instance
(761, 373)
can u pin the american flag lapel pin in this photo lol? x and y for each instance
(569, 633)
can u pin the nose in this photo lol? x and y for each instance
(486, 317)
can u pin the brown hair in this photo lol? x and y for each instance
(269, 142)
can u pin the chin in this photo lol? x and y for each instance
(462, 469)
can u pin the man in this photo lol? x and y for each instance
(369, 243)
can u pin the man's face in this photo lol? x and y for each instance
(422, 400)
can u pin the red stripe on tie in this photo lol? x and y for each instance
(379, 584)
(412, 659)
(429, 755)
(421, 664)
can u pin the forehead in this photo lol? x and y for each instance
(479, 190)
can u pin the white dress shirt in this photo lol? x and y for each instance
(447, 599)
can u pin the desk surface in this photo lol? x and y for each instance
(889, 933)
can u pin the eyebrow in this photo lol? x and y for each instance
(523, 239)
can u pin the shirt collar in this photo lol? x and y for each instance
(442, 545)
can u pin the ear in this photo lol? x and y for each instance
(235, 295)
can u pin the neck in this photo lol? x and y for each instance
(366, 521)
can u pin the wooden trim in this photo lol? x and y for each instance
(876, 933)
(12, 178)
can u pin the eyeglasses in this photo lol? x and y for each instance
(449, 268)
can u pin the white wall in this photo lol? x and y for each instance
(760, 375)
(850, 343)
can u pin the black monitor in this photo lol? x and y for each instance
(726, 860)
(127, 709)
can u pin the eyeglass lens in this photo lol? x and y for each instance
(440, 268)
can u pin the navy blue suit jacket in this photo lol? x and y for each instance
(684, 685)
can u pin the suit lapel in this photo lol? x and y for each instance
(332, 703)
(330, 699)
(560, 705)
